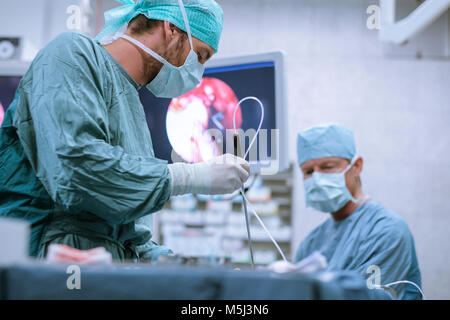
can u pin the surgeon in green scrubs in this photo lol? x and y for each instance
(76, 156)
(361, 234)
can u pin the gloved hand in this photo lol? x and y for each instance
(220, 175)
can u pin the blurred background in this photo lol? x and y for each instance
(395, 98)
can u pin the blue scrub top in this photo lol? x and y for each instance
(76, 155)
(371, 236)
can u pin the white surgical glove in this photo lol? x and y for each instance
(220, 175)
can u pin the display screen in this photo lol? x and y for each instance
(8, 86)
(184, 124)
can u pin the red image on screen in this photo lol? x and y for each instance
(209, 106)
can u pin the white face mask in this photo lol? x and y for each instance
(327, 192)
(172, 81)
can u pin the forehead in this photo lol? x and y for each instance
(322, 161)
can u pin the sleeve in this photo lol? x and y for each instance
(386, 253)
(79, 168)
(150, 250)
(306, 247)
(301, 251)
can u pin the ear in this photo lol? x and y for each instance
(169, 30)
(358, 165)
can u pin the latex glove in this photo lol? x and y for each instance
(220, 175)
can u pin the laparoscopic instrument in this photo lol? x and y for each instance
(245, 202)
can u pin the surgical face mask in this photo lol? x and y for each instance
(172, 81)
(327, 192)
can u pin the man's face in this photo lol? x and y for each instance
(324, 165)
(179, 48)
(334, 165)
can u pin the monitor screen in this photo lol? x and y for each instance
(184, 124)
(8, 86)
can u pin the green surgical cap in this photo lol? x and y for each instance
(205, 17)
(329, 140)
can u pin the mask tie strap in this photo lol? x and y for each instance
(149, 51)
(186, 22)
(366, 197)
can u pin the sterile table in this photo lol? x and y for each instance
(37, 280)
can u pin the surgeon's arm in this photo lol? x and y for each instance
(387, 256)
(78, 167)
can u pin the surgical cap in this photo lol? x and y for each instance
(205, 17)
(329, 140)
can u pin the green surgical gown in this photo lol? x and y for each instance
(76, 156)
(371, 236)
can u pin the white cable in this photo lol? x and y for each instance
(249, 147)
(260, 122)
(407, 282)
(264, 227)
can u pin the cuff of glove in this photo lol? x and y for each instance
(190, 178)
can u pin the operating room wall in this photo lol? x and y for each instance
(397, 107)
(37, 22)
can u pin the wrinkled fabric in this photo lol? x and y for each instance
(77, 241)
(205, 18)
(326, 140)
(149, 251)
(76, 156)
(371, 235)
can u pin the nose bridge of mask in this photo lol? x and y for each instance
(319, 177)
(319, 174)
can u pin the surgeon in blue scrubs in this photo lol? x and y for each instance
(361, 234)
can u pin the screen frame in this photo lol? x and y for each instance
(281, 108)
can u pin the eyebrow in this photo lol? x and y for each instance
(330, 162)
(327, 163)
